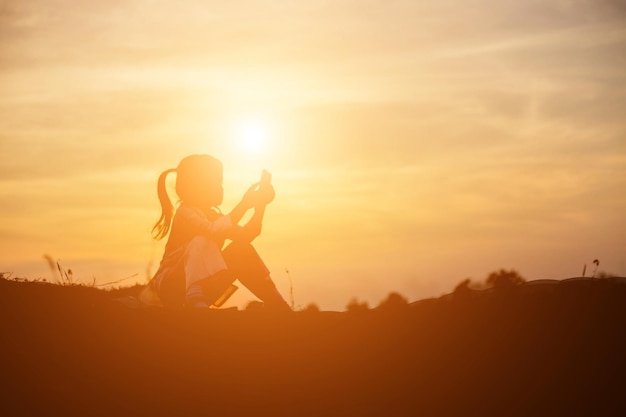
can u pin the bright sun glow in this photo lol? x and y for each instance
(253, 136)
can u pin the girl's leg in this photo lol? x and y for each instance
(246, 265)
(206, 273)
(167, 287)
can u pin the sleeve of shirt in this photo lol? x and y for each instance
(196, 220)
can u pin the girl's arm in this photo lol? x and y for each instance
(248, 201)
(220, 227)
(194, 219)
(252, 229)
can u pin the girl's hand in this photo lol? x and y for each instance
(266, 195)
(260, 197)
(250, 198)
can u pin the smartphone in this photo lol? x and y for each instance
(266, 178)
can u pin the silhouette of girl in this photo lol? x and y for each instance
(195, 271)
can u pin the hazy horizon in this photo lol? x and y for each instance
(412, 145)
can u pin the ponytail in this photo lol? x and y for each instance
(162, 226)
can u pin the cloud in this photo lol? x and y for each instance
(70, 134)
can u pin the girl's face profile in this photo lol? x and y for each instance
(200, 180)
(216, 191)
(211, 190)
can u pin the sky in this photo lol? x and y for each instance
(413, 144)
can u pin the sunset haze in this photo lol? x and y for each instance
(412, 144)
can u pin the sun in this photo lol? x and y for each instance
(253, 136)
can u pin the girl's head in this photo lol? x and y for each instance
(198, 183)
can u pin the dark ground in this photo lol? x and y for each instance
(554, 349)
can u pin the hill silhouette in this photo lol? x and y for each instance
(550, 347)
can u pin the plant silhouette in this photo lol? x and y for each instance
(504, 279)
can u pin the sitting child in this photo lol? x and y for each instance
(196, 271)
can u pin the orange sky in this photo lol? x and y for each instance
(413, 144)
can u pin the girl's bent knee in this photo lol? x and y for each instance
(203, 258)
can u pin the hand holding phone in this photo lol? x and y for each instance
(266, 178)
(265, 187)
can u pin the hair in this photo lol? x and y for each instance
(198, 177)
